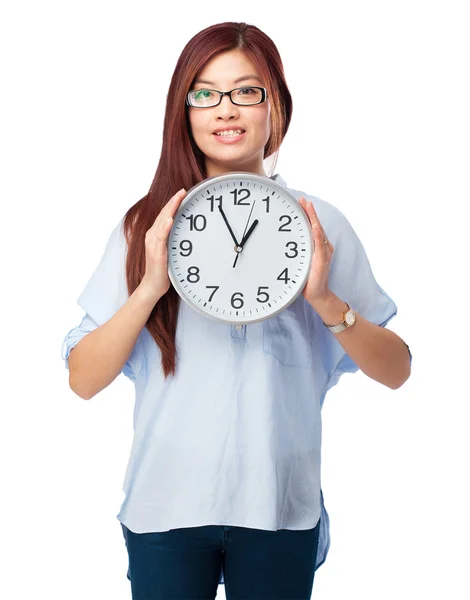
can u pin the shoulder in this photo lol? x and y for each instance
(117, 239)
(115, 249)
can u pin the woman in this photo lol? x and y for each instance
(223, 480)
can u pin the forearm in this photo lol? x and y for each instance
(100, 355)
(378, 352)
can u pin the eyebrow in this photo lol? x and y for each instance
(240, 79)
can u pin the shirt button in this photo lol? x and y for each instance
(238, 327)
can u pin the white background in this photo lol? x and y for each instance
(381, 130)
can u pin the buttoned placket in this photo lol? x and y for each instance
(238, 331)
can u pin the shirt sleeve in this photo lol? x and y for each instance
(351, 279)
(75, 335)
(103, 295)
(106, 290)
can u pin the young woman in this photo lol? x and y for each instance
(223, 480)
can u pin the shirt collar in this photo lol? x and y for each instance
(278, 179)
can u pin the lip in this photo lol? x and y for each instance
(228, 140)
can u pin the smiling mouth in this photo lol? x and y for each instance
(229, 140)
(229, 133)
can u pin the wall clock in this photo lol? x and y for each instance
(240, 248)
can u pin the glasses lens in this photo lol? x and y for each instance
(247, 95)
(203, 97)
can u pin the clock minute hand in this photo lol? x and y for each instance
(228, 226)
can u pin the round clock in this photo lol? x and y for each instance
(240, 248)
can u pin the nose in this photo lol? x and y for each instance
(226, 108)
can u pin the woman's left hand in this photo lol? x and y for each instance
(316, 289)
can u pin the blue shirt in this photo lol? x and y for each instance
(235, 437)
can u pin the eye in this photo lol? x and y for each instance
(201, 94)
(247, 91)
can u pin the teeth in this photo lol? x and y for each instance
(230, 132)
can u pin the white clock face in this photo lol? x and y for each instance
(261, 274)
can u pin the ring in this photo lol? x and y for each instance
(325, 242)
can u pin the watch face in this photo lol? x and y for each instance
(240, 248)
(350, 318)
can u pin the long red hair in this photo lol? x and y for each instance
(181, 162)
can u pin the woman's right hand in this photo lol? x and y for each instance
(156, 255)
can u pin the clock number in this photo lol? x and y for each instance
(188, 249)
(212, 201)
(215, 288)
(293, 250)
(286, 277)
(289, 221)
(193, 272)
(267, 203)
(239, 201)
(193, 222)
(260, 293)
(233, 300)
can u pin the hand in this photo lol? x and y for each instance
(228, 225)
(244, 233)
(156, 254)
(316, 289)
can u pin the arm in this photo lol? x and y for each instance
(100, 356)
(378, 352)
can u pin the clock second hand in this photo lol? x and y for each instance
(243, 236)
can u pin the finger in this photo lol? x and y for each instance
(311, 214)
(173, 204)
(177, 197)
(303, 203)
(314, 218)
(162, 234)
(158, 233)
(318, 233)
(170, 207)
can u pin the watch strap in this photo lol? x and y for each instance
(340, 326)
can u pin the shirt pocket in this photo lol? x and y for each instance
(287, 336)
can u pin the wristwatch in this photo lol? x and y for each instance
(349, 318)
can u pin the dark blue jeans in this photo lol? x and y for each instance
(185, 563)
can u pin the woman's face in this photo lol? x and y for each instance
(224, 73)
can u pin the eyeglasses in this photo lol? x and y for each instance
(243, 96)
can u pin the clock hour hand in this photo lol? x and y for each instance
(228, 226)
(244, 240)
(249, 232)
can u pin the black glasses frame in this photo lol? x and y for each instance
(264, 95)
